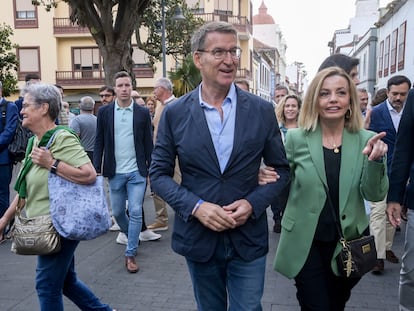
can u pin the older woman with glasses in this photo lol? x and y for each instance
(55, 273)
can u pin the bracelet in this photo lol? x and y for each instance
(197, 206)
(53, 168)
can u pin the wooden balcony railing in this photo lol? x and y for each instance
(94, 77)
(241, 23)
(65, 26)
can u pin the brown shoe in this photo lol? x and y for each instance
(131, 264)
(158, 226)
(379, 268)
(390, 256)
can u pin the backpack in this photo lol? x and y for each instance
(17, 148)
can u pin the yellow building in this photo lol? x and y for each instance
(65, 54)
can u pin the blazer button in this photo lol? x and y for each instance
(343, 217)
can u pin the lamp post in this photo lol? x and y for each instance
(177, 16)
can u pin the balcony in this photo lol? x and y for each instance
(241, 23)
(243, 74)
(64, 26)
(77, 78)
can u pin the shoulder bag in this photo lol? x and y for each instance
(79, 212)
(357, 256)
(34, 236)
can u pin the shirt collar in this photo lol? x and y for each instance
(126, 108)
(231, 97)
(391, 108)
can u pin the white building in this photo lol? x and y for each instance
(395, 50)
(266, 30)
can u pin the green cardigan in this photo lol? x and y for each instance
(359, 179)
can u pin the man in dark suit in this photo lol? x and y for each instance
(220, 134)
(8, 124)
(385, 117)
(402, 171)
(124, 142)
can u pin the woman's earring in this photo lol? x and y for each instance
(348, 114)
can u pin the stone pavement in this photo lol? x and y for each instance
(163, 282)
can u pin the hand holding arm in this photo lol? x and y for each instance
(267, 174)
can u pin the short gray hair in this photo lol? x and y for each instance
(199, 37)
(45, 93)
(165, 83)
(87, 103)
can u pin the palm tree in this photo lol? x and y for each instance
(186, 77)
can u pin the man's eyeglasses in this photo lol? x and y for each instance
(105, 95)
(235, 53)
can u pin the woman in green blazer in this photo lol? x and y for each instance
(330, 150)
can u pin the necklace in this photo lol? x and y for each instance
(335, 148)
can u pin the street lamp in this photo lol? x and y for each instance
(177, 16)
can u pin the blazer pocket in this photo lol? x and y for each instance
(288, 223)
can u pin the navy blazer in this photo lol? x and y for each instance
(381, 122)
(105, 143)
(402, 168)
(7, 132)
(183, 132)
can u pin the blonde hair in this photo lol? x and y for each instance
(309, 116)
(280, 108)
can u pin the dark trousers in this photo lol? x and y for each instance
(318, 288)
(5, 179)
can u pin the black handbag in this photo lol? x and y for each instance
(357, 256)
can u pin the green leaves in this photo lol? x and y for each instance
(8, 61)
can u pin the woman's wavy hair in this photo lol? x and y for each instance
(280, 108)
(309, 115)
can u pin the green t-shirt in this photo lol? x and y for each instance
(65, 147)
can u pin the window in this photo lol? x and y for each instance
(393, 59)
(29, 61)
(381, 59)
(25, 14)
(196, 6)
(386, 56)
(224, 7)
(139, 57)
(87, 59)
(401, 45)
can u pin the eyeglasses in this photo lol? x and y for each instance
(105, 95)
(24, 106)
(218, 53)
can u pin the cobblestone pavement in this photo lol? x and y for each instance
(163, 282)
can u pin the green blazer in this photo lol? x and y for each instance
(359, 179)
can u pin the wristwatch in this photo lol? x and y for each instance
(53, 168)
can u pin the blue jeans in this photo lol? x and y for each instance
(55, 274)
(129, 186)
(226, 273)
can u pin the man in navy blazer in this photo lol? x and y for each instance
(402, 171)
(220, 134)
(124, 142)
(385, 118)
(8, 123)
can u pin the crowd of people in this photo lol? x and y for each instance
(219, 177)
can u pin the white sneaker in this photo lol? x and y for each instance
(115, 227)
(149, 235)
(122, 238)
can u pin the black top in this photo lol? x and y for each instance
(326, 229)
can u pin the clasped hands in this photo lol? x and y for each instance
(218, 218)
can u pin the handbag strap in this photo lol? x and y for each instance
(338, 227)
